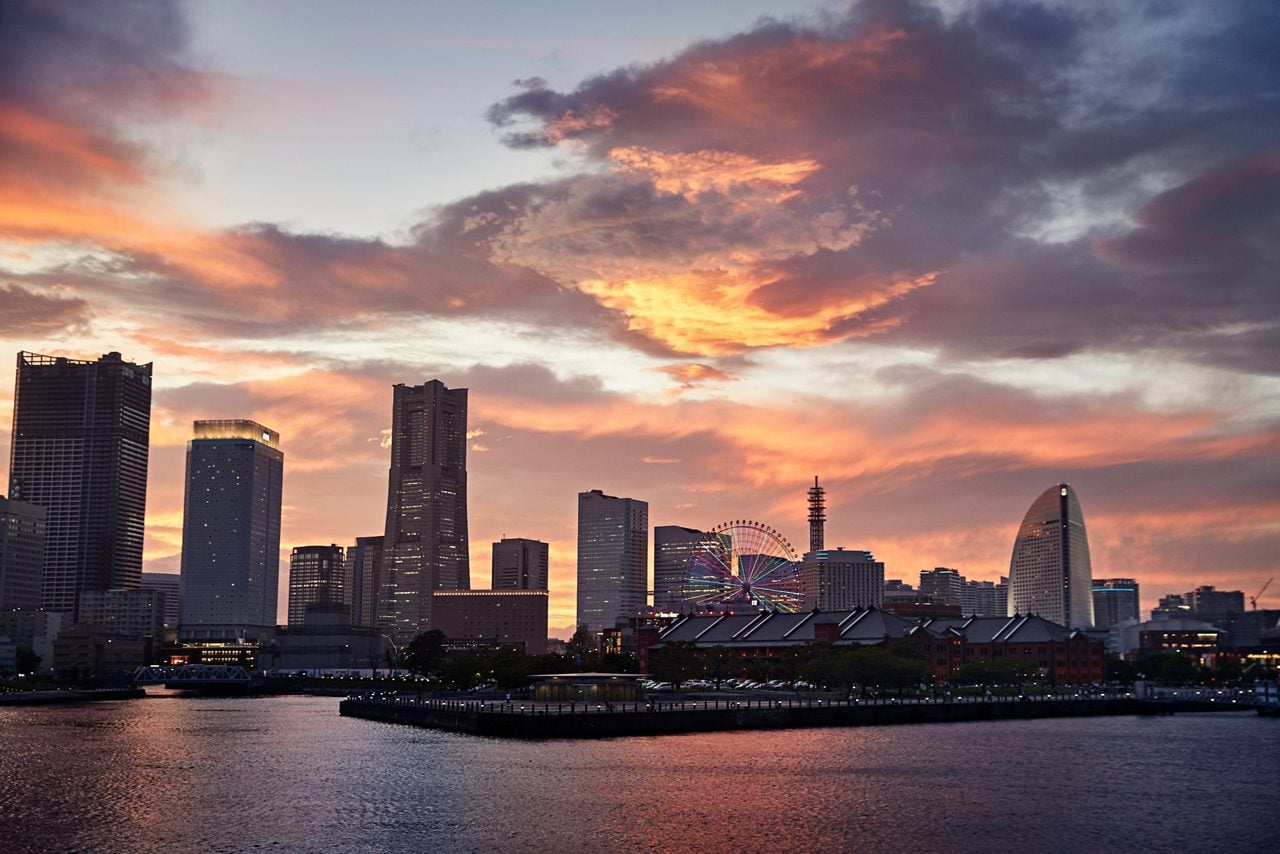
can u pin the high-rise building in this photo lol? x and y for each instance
(1114, 600)
(133, 613)
(1002, 596)
(613, 557)
(1173, 606)
(836, 579)
(942, 585)
(519, 564)
(1049, 573)
(425, 546)
(81, 433)
(672, 546)
(945, 586)
(317, 578)
(170, 584)
(1212, 605)
(21, 554)
(982, 599)
(231, 531)
(364, 570)
(897, 591)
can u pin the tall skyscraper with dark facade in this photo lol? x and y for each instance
(81, 433)
(1114, 600)
(519, 564)
(21, 554)
(364, 569)
(231, 530)
(672, 546)
(425, 546)
(170, 584)
(317, 577)
(613, 558)
(1050, 574)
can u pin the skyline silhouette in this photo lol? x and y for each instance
(942, 256)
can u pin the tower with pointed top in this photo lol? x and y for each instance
(817, 515)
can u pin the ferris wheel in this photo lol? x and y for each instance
(744, 563)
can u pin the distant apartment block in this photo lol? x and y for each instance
(1212, 605)
(1114, 601)
(982, 599)
(493, 617)
(364, 570)
(672, 547)
(836, 579)
(22, 528)
(942, 585)
(613, 556)
(135, 613)
(946, 586)
(317, 582)
(170, 584)
(897, 591)
(520, 564)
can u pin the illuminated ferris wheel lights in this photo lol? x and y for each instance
(744, 562)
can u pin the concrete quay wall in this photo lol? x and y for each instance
(47, 698)
(552, 721)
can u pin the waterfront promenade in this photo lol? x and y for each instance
(541, 720)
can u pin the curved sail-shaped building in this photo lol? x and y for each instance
(1049, 573)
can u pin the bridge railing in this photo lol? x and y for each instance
(191, 673)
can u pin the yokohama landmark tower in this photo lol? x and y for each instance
(425, 546)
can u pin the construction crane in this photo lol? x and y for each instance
(1253, 600)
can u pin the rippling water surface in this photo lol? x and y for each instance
(289, 774)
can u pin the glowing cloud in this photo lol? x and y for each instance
(692, 174)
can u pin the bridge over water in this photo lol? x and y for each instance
(197, 677)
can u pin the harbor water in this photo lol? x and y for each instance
(290, 774)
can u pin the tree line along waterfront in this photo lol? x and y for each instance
(893, 668)
(429, 662)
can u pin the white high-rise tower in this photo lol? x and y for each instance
(1050, 574)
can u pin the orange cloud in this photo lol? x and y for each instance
(714, 313)
(693, 374)
(692, 174)
(77, 152)
(756, 87)
(572, 123)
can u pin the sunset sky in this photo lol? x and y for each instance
(942, 255)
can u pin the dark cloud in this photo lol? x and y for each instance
(118, 54)
(29, 314)
(71, 75)
(964, 131)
